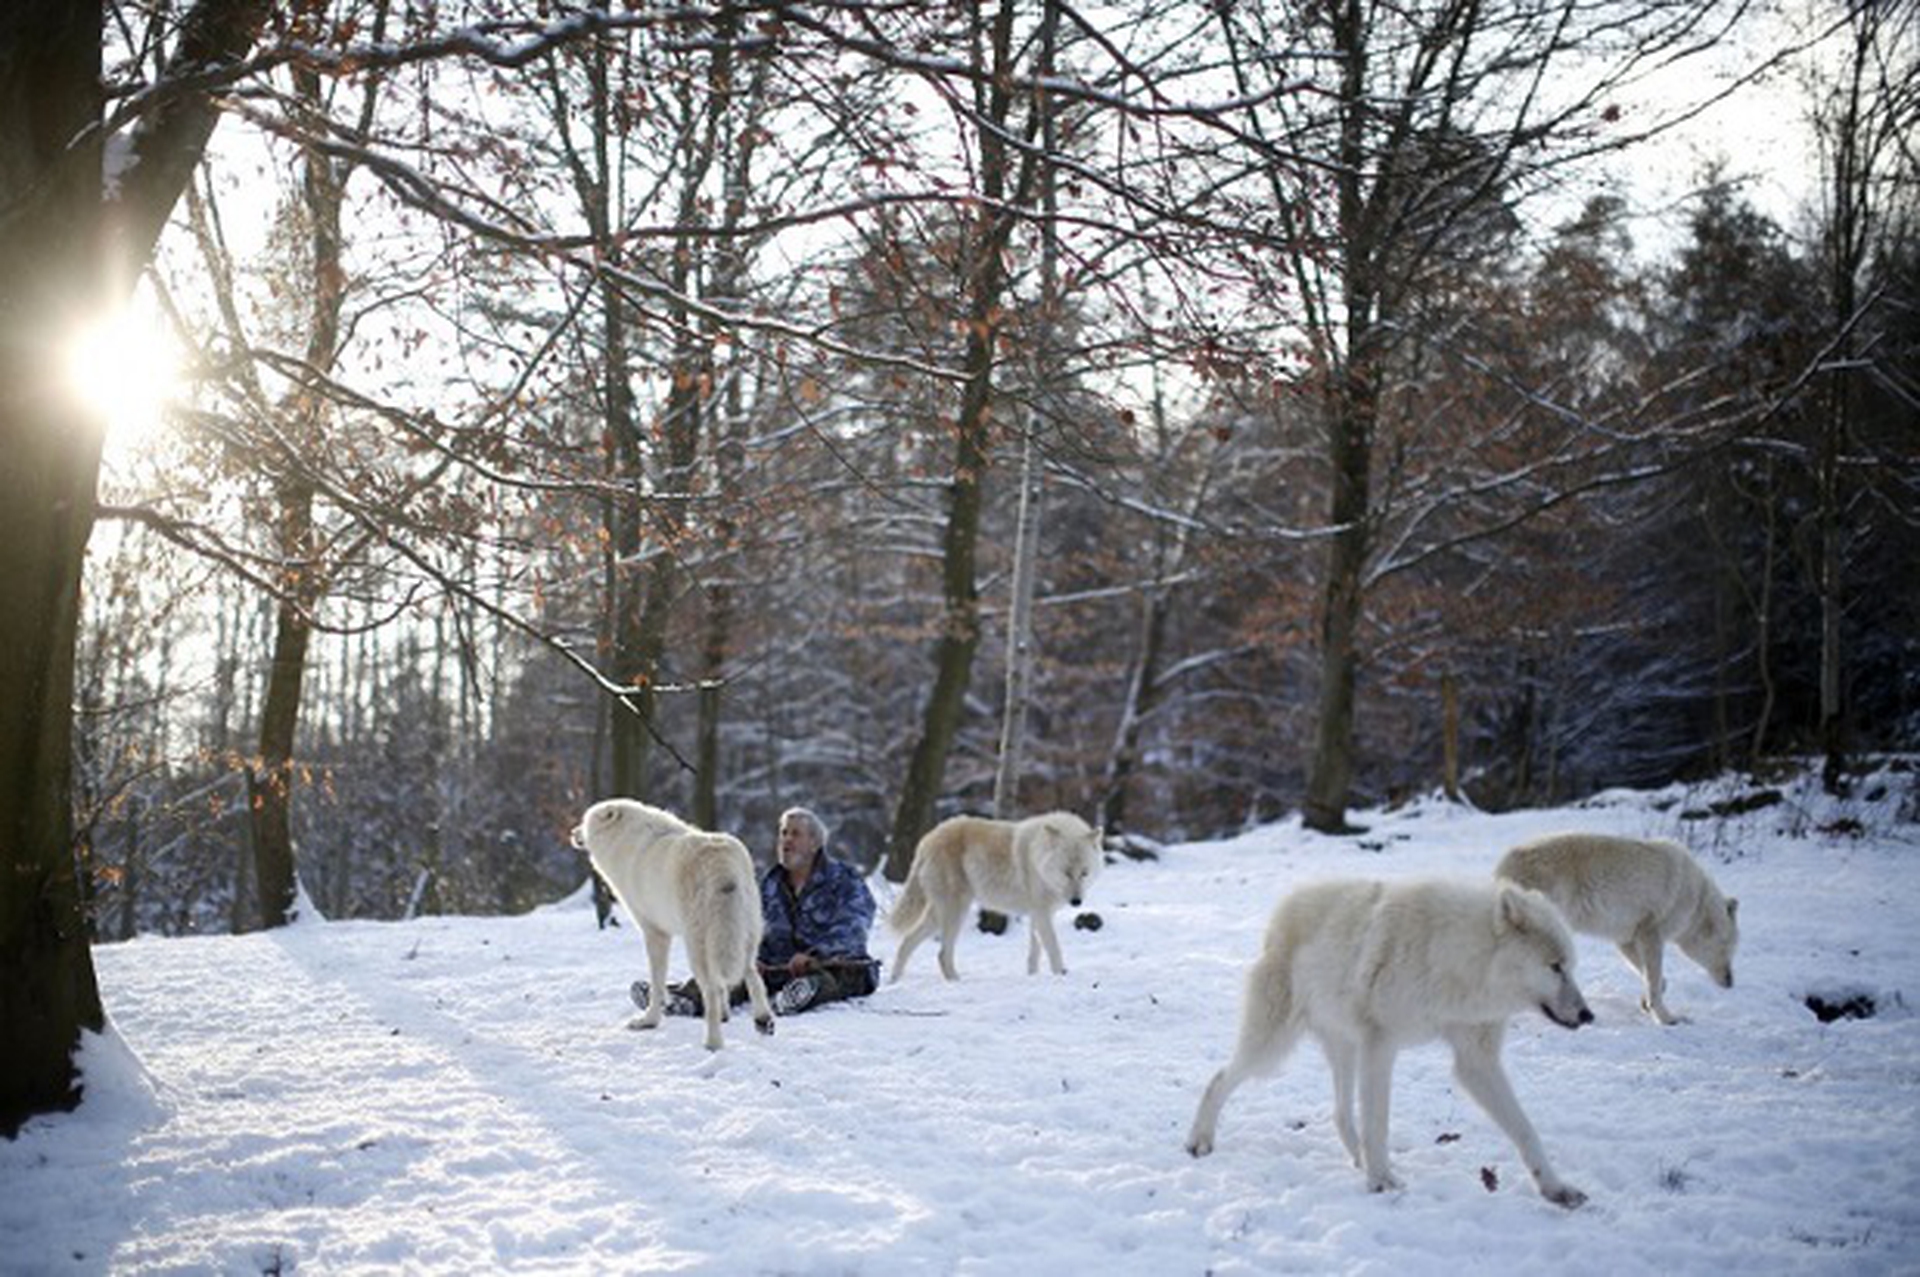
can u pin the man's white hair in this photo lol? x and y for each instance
(811, 821)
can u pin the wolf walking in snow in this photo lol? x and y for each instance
(1367, 968)
(676, 880)
(1638, 895)
(1030, 866)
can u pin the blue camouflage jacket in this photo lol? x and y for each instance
(828, 919)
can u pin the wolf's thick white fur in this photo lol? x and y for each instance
(1030, 867)
(676, 880)
(1638, 894)
(1368, 967)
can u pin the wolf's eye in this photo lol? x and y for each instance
(1558, 968)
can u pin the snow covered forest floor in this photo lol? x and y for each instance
(461, 1094)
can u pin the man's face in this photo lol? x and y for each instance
(797, 844)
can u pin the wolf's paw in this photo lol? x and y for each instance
(764, 1023)
(644, 1022)
(1564, 1195)
(1384, 1182)
(1658, 1010)
(1200, 1145)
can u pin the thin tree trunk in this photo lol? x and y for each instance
(735, 111)
(1026, 539)
(132, 881)
(1343, 603)
(1142, 694)
(1763, 629)
(1156, 605)
(953, 656)
(627, 723)
(960, 629)
(1353, 405)
(272, 784)
(271, 778)
(1019, 682)
(1850, 217)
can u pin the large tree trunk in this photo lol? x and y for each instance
(49, 459)
(61, 260)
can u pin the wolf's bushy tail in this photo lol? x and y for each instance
(732, 940)
(1268, 1013)
(913, 903)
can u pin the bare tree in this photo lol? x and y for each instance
(1865, 117)
(1005, 186)
(1421, 123)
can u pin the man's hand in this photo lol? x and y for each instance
(800, 964)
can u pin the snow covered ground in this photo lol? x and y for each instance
(462, 1094)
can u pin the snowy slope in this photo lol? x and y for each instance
(462, 1094)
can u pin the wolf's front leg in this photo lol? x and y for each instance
(1043, 934)
(1375, 1057)
(1477, 1067)
(1652, 951)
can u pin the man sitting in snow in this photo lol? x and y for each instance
(818, 912)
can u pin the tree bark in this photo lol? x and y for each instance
(49, 457)
(62, 260)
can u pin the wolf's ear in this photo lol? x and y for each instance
(1513, 908)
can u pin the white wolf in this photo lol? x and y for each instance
(675, 880)
(1029, 866)
(1369, 967)
(1638, 895)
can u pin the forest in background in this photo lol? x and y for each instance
(1178, 415)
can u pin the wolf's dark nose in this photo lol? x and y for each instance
(1586, 1016)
